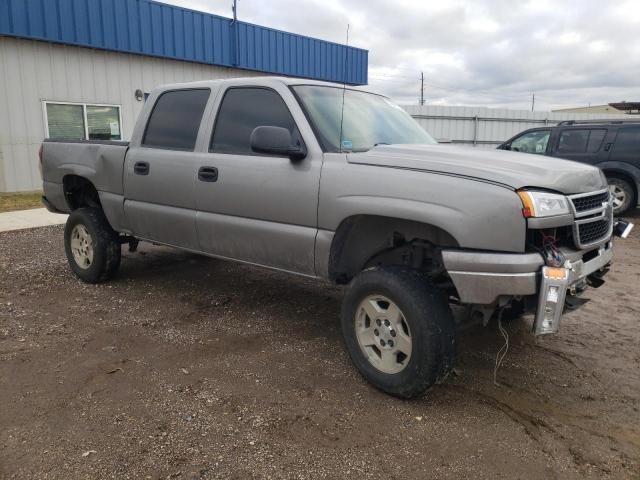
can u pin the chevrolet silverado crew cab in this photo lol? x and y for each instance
(341, 185)
(612, 145)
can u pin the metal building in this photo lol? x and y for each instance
(80, 68)
(488, 127)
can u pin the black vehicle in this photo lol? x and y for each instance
(612, 145)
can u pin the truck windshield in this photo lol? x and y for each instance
(369, 119)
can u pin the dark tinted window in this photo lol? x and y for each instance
(175, 119)
(244, 109)
(627, 146)
(595, 140)
(573, 141)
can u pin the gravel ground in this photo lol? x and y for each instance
(189, 367)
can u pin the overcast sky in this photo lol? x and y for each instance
(494, 53)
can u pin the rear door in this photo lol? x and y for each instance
(259, 208)
(160, 172)
(586, 145)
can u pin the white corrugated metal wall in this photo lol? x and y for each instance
(32, 72)
(487, 127)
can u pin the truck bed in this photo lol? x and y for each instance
(101, 162)
(121, 143)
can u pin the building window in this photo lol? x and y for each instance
(75, 121)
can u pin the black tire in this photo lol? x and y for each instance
(426, 311)
(626, 194)
(104, 243)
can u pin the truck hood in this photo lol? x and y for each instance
(516, 170)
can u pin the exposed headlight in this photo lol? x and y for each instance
(543, 204)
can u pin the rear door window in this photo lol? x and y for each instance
(595, 140)
(175, 119)
(627, 144)
(573, 141)
(581, 140)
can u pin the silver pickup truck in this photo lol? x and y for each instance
(342, 185)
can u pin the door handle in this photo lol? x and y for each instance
(141, 168)
(607, 147)
(208, 174)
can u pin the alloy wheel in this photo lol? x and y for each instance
(383, 334)
(618, 194)
(82, 246)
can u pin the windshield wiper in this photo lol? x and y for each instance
(381, 143)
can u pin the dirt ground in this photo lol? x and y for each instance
(188, 367)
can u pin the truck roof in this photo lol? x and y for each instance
(267, 81)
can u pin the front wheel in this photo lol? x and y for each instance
(91, 245)
(622, 193)
(399, 330)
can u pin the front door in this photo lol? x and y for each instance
(160, 174)
(260, 209)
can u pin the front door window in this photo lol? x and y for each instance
(532, 142)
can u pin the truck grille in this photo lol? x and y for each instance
(593, 218)
(590, 202)
(591, 232)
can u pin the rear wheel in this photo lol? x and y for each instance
(91, 245)
(622, 193)
(398, 330)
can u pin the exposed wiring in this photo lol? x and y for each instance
(549, 250)
(503, 350)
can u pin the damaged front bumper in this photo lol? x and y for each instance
(483, 278)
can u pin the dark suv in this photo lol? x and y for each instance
(614, 146)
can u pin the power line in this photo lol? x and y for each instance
(452, 91)
(486, 93)
(390, 77)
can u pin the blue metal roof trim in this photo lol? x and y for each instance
(151, 28)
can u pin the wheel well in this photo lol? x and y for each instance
(80, 192)
(624, 176)
(363, 241)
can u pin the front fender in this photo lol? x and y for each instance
(438, 215)
(621, 167)
(477, 214)
(624, 168)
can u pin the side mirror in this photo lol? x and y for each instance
(276, 141)
(506, 146)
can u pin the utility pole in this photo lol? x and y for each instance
(421, 88)
(533, 101)
(234, 7)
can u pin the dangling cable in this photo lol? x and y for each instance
(501, 354)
